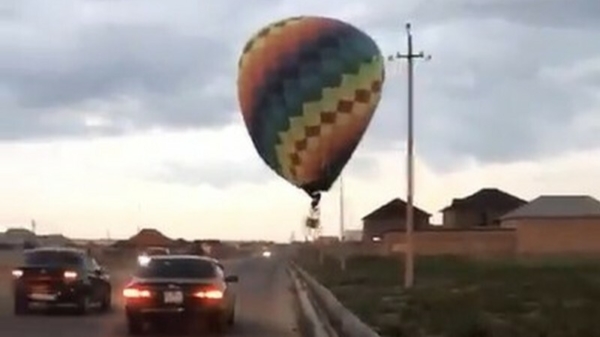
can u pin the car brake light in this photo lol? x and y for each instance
(136, 293)
(70, 275)
(213, 294)
(17, 273)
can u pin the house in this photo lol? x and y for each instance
(55, 240)
(481, 209)
(327, 240)
(95, 242)
(556, 224)
(15, 238)
(391, 217)
(353, 235)
(148, 238)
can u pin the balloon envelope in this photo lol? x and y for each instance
(308, 88)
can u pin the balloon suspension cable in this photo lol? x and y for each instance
(313, 219)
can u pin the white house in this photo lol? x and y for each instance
(353, 235)
(17, 237)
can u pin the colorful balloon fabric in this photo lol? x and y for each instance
(308, 88)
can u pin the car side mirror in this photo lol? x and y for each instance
(231, 279)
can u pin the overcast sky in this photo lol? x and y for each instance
(123, 114)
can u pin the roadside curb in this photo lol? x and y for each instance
(339, 318)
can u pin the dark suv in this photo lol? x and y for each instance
(60, 277)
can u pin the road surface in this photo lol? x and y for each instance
(266, 308)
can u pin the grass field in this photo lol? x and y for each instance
(456, 297)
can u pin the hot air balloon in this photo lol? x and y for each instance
(308, 88)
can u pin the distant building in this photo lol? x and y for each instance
(353, 235)
(94, 242)
(54, 240)
(15, 238)
(556, 224)
(146, 238)
(327, 239)
(481, 209)
(391, 217)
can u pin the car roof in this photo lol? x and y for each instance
(184, 257)
(56, 250)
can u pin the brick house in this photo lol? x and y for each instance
(558, 224)
(481, 209)
(391, 217)
(149, 238)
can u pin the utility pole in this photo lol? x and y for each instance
(342, 225)
(140, 220)
(410, 56)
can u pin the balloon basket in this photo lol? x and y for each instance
(312, 234)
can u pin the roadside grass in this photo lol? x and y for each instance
(457, 297)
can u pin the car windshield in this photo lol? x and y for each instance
(177, 268)
(157, 251)
(52, 258)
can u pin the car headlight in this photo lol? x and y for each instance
(144, 260)
(266, 254)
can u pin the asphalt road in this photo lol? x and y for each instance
(265, 308)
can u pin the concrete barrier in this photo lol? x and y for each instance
(345, 323)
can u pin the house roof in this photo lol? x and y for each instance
(55, 240)
(557, 206)
(121, 244)
(487, 198)
(394, 208)
(19, 232)
(149, 237)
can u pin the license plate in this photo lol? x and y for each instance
(173, 297)
(42, 297)
(39, 289)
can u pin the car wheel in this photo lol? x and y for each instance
(135, 326)
(21, 306)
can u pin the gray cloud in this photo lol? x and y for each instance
(487, 94)
(501, 85)
(218, 176)
(176, 78)
(363, 166)
(221, 175)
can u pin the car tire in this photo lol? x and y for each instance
(135, 326)
(21, 306)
